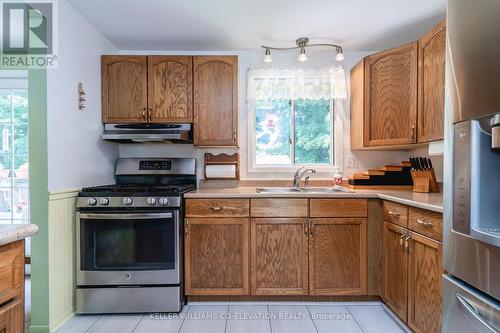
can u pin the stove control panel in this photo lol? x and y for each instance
(116, 202)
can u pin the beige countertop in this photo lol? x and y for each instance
(428, 201)
(13, 232)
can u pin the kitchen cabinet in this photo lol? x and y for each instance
(12, 317)
(391, 96)
(395, 274)
(424, 284)
(142, 89)
(170, 89)
(279, 260)
(413, 269)
(216, 256)
(431, 77)
(12, 287)
(397, 95)
(337, 256)
(215, 100)
(124, 89)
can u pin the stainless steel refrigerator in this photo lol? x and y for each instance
(471, 283)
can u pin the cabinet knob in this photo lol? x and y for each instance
(413, 139)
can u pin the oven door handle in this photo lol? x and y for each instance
(112, 216)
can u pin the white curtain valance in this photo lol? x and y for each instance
(293, 84)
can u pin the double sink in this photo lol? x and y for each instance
(292, 189)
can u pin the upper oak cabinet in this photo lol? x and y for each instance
(170, 94)
(397, 95)
(431, 62)
(142, 89)
(215, 100)
(124, 89)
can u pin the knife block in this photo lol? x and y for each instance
(424, 181)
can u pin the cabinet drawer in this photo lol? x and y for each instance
(11, 271)
(427, 223)
(396, 213)
(279, 208)
(217, 207)
(339, 207)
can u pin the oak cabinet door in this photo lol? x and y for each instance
(424, 285)
(391, 96)
(11, 271)
(279, 260)
(337, 256)
(395, 266)
(216, 100)
(12, 317)
(170, 96)
(431, 62)
(124, 89)
(216, 256)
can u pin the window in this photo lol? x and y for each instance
(293, 119)
(14, 184)
(289, 132)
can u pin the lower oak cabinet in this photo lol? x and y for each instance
(279, 256)
(337, 256)
(412, 276)
(12, 317)
(216, 256)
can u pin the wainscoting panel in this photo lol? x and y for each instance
(61, 257)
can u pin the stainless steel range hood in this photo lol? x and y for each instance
(143, 133)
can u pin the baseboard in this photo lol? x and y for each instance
(64, 319)
(39, 329)
(343, 298)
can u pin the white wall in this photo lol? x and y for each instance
(76, 155)
(253, 59)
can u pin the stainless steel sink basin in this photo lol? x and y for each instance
(337, 189)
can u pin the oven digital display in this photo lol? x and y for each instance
(155, 165)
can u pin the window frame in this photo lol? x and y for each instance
(337, 145)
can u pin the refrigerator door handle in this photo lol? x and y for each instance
(473, 312)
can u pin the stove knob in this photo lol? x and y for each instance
(151, 201)
(163, 201)
(127, 201)
(104, 201)
(92, 202)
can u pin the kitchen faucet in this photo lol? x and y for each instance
(298, 176)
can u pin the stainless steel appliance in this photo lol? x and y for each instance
(129, 238)
(138, 133)
(471, 285)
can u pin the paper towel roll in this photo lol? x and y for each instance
(220, 171)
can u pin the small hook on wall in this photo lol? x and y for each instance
(81, 97)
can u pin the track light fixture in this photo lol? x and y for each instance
(302, 43)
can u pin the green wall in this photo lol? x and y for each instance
(39, 198)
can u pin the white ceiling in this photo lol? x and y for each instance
(188, 25)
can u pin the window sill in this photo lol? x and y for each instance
(291, 169)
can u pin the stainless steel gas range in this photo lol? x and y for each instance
(129, 238)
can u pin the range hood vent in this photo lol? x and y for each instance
(144, 133)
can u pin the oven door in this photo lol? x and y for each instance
(128, 248)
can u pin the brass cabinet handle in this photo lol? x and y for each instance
(424, 223)
(186, 228)
(306, 227)
(150, 110)
(407, 244)
(311, 229)
(144, 115)
(413, 133)
(401, 242)
(217, 208)
(235, 136)
(391, 213)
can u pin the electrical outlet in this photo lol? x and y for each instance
(351, 162)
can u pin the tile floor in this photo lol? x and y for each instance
(254, 317)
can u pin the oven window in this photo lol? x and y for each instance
(130, 244)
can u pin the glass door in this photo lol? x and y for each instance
(131, 242)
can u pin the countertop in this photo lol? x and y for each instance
(428, 201)
(13, 232)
